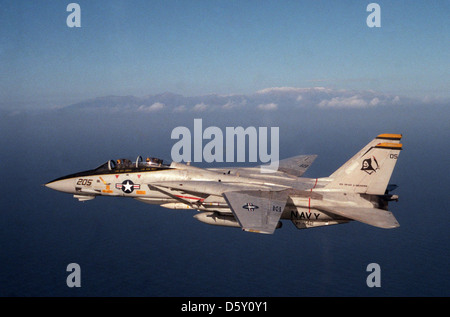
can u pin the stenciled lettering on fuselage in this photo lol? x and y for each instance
(304, 215)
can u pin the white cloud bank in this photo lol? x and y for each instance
(268, 106)
(200, 107)
(357, 101)
(154, 107)
(343, 102)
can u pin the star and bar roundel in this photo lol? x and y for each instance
(250, 207)
(127, 186)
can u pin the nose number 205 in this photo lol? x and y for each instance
(84, 182)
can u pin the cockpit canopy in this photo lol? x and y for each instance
(128, 165)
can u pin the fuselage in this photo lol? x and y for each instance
(253, 198)
(132, 180)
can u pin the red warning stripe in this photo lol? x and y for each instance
(309, 199)
(189, 197)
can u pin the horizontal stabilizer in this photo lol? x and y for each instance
(371, 216)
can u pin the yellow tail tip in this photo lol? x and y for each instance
(389, 136)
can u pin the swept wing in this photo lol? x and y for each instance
(257, 211)
(296, 165)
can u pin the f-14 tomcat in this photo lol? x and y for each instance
(249, 199)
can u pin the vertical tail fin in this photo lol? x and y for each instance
(371, 168)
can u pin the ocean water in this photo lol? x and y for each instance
(127, 248)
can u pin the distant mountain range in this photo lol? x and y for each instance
(269, 99)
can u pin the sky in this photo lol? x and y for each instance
(225, 47)
(312, 68)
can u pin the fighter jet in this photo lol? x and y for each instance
(246, 197)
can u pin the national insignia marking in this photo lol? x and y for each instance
(127, 186)
(250, 207)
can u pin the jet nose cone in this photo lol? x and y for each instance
(64, 185)
(51, 185)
